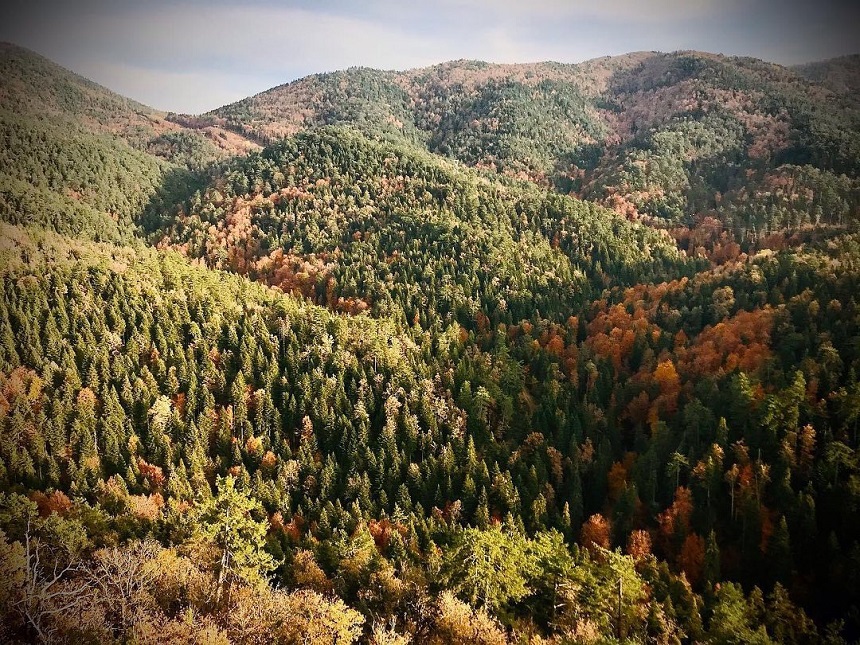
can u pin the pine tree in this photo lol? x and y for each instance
(228, 521)
(779, 553)
(711, 568)
(488, 568)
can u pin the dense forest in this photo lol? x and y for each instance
(474, 353)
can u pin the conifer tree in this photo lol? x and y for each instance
(229, 521)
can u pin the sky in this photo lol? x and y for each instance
(192, 56)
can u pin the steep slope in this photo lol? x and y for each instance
(34, 86)
(357, 224)
(81, 160)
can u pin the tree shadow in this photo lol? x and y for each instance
(177, 188)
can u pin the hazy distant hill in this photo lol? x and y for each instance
(841, 75)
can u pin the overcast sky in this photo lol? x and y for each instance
(193, 56)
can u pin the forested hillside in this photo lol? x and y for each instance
(672, 136)
(81, 160)
(475, 353)
(361, 226)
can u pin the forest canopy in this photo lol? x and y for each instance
(473, 353)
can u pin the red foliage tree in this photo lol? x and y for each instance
(595, 533)
(691, 559)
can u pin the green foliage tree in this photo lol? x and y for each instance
(227, 521)
(488, 567)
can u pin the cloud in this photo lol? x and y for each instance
(258, 37)
(627, 10)
(128, 47)
(194, 55)
(179, 91)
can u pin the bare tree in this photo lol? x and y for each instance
(52, 587)
(121, 578)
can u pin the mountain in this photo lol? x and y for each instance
(840, 75)
(80, 159)
(672, 136)
(470, 353)
(479, 113)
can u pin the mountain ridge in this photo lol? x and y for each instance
(47, 88)
(553, 123)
